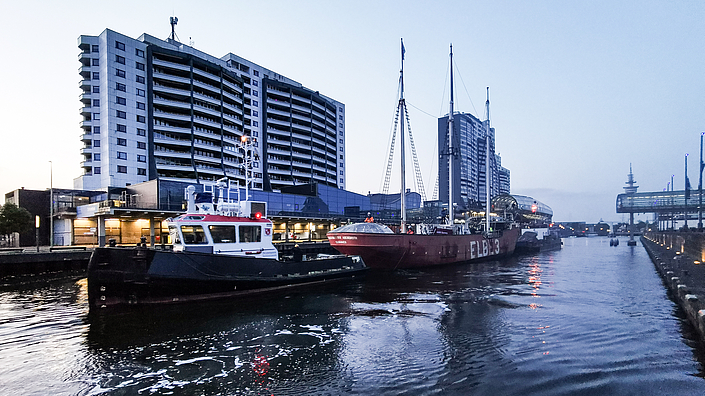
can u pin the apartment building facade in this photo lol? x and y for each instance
(160, 109)
(470, 136)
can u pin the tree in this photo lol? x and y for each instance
(14, 219)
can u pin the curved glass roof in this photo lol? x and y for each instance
(523, 206)
(367, 228)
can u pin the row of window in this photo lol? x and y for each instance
(121, 169)
(123, 142)
(121, 46)
(219, 233)
(123, 128)
(123, 115)
(122, 101)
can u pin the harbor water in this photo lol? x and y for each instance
(589, 319)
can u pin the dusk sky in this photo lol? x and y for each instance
(578, 90)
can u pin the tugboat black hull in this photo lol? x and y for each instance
(123, 276)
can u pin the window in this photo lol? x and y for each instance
(139, 52)
(222, 234)
(120, 87)
(340, 117)
(120, 114)
(255, 113)
(95, 62)
(255, 103)
(193, 235)
(96, 116)
(256, 73)
(255, 83)
(96, 157)
(255, 133)
(255, 123)
(140, 92)
(139, 79)
(341, 124)
(342, 165)
(140, 118)
(120, 59)
(342, 180)
(120, 101)
(250, 234)
(94, 48)
(96, 143)
(121, 142)
(142, 145)
(141, 132)
(121, 155)
(341, 156)
(121, 128)
(96, 102)
(255, 164)
(141, 158)
(96, 89)
(96, 130)
(140, 106)
(255, 93)
(96, 76)
(142, 171)
(120, 73)
(340, 109)
(96, 170)
(341, 149)
(122, 169)
(341, 141)
(139, 66)
(120, 46)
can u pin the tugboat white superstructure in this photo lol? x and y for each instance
(219, 249)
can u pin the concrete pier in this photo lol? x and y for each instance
(30, 262)
(683, 275)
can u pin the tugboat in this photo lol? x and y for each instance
(430, 244)
(219, 250)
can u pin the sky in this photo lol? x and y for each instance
(578, 90)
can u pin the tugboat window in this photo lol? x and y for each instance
(193, 235)
(250, 234)
(222, 234)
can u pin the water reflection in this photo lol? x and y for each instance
(589, 319)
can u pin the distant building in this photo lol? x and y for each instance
(160, 109)
(469, 171)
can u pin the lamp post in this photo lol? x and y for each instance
(700, 186)
(673, 215)
(687, 194)
(51, 204)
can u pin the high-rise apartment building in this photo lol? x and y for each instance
(469, 171)
(160, 109)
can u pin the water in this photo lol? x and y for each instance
(587, 320)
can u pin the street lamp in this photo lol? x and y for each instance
(51, 204)
(700, 186)
(687, 193)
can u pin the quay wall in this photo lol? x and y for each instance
(683, 274)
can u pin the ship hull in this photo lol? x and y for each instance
(394, 251)
(119, 276)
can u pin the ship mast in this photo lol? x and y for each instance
(450, 145)
(402, 106)
(487, 165)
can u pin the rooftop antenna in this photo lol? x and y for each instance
(173, 21)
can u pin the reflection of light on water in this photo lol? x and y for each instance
(535, 272)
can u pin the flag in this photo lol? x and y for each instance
(403, 50)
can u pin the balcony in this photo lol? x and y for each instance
(85, 85)
(159, 100)
(170, 65)
(85, 71)
(171, 77)
(87, 137)
(86, 124)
